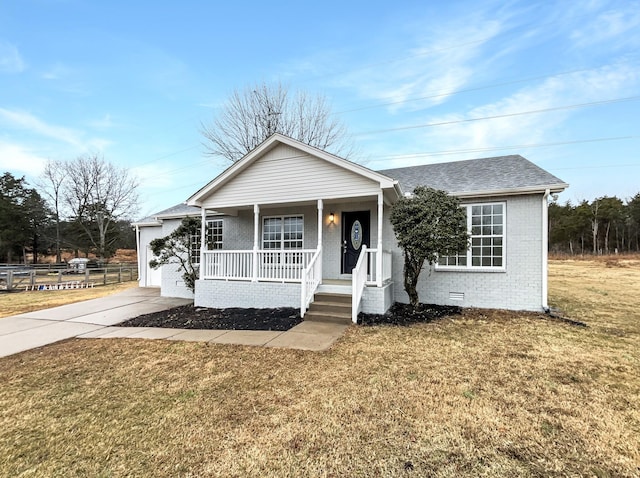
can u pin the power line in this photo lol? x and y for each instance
(506, 115)
(497, 148)
(599, 167)
(466, 90)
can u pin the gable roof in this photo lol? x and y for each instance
(174, 212)
(177, 211)
(499, 175)
(272, 142)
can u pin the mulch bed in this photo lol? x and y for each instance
(404, 314)
(190, 317)
(281, 319)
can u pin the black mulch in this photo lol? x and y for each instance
(404, 314)
(190, 317)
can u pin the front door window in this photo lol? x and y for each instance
(355, 234)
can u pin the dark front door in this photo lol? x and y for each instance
(355, 234)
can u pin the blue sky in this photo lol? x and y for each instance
(134, 81)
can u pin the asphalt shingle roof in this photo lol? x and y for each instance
(178, 210)
(475, 175)
(501, 173)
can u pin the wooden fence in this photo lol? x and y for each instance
(50, 277)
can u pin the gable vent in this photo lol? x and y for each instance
(456, 295)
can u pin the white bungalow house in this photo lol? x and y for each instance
(291, 225)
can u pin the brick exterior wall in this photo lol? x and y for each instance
(377, 300)
(223, 294)
(519, 287)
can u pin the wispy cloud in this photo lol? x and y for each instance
(10, 59)
(57, 72)
(21, 160)
(601, 84)
(615, 27)
(443, 56)
(24, 120)
(106, 122)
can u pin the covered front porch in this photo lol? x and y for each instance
(291, 217)
(327, 248)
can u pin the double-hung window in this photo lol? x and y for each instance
(283, 233)
(486, 226)
(213, 238)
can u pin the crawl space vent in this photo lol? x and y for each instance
(456, 295)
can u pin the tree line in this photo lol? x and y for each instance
(606, 225)
(84, 205)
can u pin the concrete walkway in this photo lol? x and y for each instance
(97, 318)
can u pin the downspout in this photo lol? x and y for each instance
(139, 257)
(545, 250)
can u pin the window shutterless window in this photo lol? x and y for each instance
(213, 238)
(283, 232)
(486, 226)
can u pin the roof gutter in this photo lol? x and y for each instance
(552, 188)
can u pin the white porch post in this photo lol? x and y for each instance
(379, 253)
(203, 241)
(320, 224)
(256, 241)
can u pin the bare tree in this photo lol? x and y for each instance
(50, 183)
(253, 114)
(98, 194)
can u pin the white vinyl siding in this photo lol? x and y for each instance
(286, 174)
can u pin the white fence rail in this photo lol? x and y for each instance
(311, 278)
(276, 266)
(358, 282)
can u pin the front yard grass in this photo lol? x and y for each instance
(21, 302)
(495, 394)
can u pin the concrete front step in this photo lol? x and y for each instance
(335, 307)
(335, 289)
(332, 297)
(328, 317)
(330, 307)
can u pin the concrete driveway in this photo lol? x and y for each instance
(97, 318)
(42, 327)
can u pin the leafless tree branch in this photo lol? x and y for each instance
(252, 115)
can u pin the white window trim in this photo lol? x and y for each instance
(221, 221)
(262, 241)
(469, 267)
(199, 236)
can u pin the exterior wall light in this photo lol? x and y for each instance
(332, 217)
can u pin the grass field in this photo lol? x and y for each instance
(13, 303)
(482, 394)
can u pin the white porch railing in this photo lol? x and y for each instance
(283, 266)
(372, 262)
(229, 265)
(358, 282)
(311, 278)
(276, 266)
